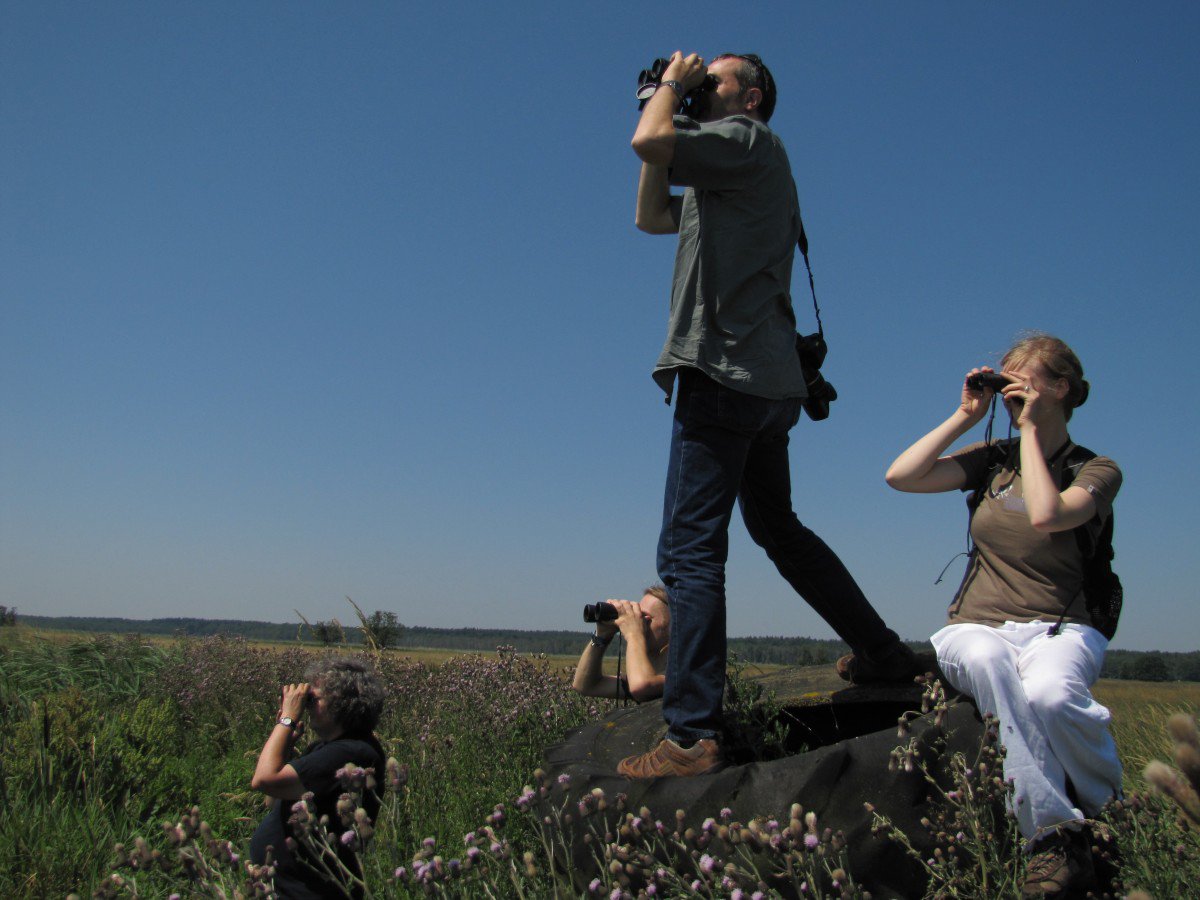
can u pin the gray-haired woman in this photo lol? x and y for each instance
(343, 699)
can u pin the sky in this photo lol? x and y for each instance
(306, 301)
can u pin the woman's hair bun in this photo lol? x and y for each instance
(1083, 393)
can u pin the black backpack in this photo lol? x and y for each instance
(1102, 592)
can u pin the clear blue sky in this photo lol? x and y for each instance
(300, 301)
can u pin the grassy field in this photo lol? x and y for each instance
(107, 738)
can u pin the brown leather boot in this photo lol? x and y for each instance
(668, 758)
(1061, 863)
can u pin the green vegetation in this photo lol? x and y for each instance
(108, 738)
(1134, 665)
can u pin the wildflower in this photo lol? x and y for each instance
(348, 838)
(400, 873)
(811, 841)
(429, 842)
(707, 864)
(595, 886)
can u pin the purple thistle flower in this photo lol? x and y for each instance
(348, 838)
(429, 842)
(595, 886)
(811, 841)
(707, 864)
(400, 873)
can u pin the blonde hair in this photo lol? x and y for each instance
(659, 592)
(1057, 360)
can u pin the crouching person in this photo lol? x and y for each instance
(646, 628)
(343, 700)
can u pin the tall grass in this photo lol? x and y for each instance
(105, 739)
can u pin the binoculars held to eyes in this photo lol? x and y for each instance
(599, 612)
(993, 380)
(649, 80)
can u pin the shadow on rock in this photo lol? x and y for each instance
(842, 742)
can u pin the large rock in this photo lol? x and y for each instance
(850, 735)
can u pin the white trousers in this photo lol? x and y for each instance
(1037, 686)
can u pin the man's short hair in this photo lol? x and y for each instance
(352, 691)
(753, 73)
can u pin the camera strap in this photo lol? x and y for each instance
(802, 243)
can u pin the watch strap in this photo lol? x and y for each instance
(676, 86)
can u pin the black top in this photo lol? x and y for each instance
(317, 768)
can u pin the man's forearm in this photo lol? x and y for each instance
(657, 211)
(654, 138)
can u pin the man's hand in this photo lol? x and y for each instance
(654, 139)
(687, 70)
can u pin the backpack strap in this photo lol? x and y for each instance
(1102, 591)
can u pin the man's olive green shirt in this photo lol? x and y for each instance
(731, 309)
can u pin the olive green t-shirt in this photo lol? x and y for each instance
(731, 308)
(1020, 574)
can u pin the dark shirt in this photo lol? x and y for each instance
(317, 768)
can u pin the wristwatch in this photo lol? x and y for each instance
(676, 86)
(287, 722)
(598, 641)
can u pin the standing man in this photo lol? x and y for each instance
(730, 357)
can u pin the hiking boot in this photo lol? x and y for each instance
(668, 758)
(1062, 863)
(899, 664)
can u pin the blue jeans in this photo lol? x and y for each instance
(727, 446)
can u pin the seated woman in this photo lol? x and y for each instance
(343, 699)
(1020, 640)
(646, 627)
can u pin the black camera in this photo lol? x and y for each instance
(811, 348)
(599, 612)
(651, 78)
(993, 380)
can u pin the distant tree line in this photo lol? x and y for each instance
(8, 616)
(388, 631)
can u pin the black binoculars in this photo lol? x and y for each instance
(599, 612)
